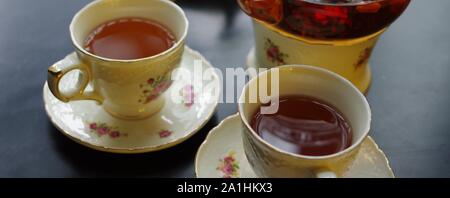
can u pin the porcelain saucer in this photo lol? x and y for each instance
(222, 155)
(90, 125)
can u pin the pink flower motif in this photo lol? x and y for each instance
(228, 169)
(274, 54)
(161, 87)
(364, 57)
(114, 134)
(229, 166)
(152, 88)
(102, 131)
(150, 98)
(157, 90)
(188, 95)
(93, 126)
(228, 159)
(150, 81)
(165, 133)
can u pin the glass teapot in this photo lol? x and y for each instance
(338, 35)
(326, 19)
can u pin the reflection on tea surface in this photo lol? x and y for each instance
(304, 125)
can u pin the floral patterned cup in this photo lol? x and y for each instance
(270, 161)
(127, 89)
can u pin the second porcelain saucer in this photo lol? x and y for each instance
(90, 125)
(222, 155)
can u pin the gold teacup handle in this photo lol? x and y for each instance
(64, 66)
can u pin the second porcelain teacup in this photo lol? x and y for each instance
(270, 161)
(128, 89)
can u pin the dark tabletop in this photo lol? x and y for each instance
(410, 95)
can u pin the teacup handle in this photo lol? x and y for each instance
(61, 68)
(325, 173)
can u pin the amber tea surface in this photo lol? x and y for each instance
(129, 38)
(304, 125)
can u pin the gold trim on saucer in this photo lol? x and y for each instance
(387, 163)
(201, 149)
(144, 149)
(211, 132)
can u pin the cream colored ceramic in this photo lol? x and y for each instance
(251, 62)
(269, 161)
(89, 124)
(119, 85)
(222, 155)
(348, 58)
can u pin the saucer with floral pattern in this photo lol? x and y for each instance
(222, 156)
(89, 124)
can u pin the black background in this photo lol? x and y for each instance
(410, 97)
(222, 187)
